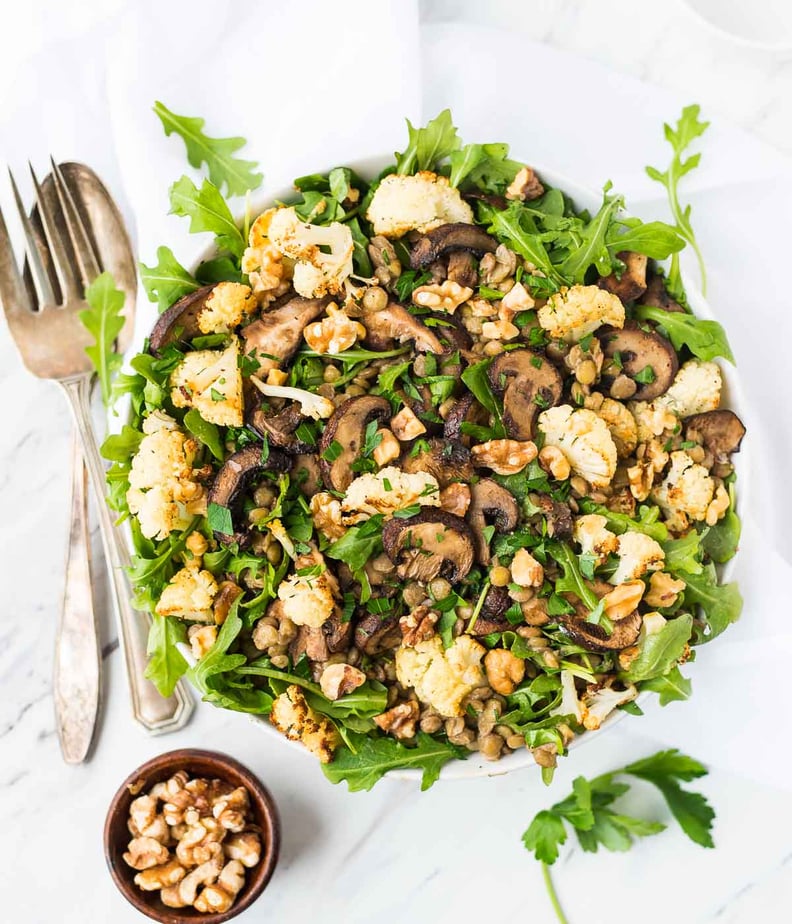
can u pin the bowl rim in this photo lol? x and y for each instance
(262, 800)
(474, 765)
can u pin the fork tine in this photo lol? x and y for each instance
(13, 296)
(87, 259)
(36, 259)
(69, 284)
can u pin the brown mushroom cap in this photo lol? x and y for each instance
(720, 431)
(637, 349)
(632, 283)
(179, 323)
(429, 544)
(594, 637)
(233, 480)
(560, 522)
(395, 323)
(447, 460)
(311, 481)
(277, 334)
(490, 501)
(451, 332)
(279, 428)
(492, 618)
(656, 295)
(319, 643)
(347, 427)
(522, 376)
(375, 634)
(455, 236)
(465, 410)
(462, 268)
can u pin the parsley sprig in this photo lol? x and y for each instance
(589, 811)
(103, 319)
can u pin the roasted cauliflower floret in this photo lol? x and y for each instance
(421, 202)
(210, 382)
(441, 679)
(335, 333)
(592, 534)
(268, 272)
(227, 306)
(189, 595)
(309, 595)
(651, 419)
(294, 718)
(685, 493)
(695, 389)
(323, 253)
(598, 704)
(572, 313)
(622, 425)
(638, 553)
(390, 489)
(585, 440)
(163, 493)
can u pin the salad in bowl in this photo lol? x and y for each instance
(427, 460)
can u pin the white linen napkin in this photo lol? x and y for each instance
(587, 122)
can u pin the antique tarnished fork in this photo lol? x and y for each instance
(42, 308)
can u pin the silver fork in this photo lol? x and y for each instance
(42, 312)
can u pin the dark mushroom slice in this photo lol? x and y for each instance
(656, 295)
(375, 634)
(594, 638)
(465, 410)
(447, 238)
(529, 382)
(447, 460)
(632, 282)
(347, 428)
(492, 617)
(490, 504)
(451, 332)
(395, 323)
(560, 522)
(233, 480)
(462, 268)
(430, 544)
(496, 201)
(638, 350)
(279, 428)
(179, 323)
(305, 471)
(720, 432)
(277, 334)
(318, 644)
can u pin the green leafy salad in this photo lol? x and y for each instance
(425, 463)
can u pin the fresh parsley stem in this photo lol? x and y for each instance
(478, 606)
(683, 224)
(357, 356)
(552, 894)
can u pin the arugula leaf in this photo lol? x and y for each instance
(386, 381)
(516, 227)
(656, 239)
(167, 281)
(722, 540)
(660, 652)
(104, 320)
(358, 543)
(721, 604)
(360, 255)
(669, 687)
(705, 339)
(573, 582)
(477, 381)
(239, 176)
(688, 128)
(485, 165)
(219, 518)
(120, 447)
(647, 521)
(430, 145)
(205, 432)
(683, 556)
(374, 757)
(219, 269)
(166, 663)
(207, 211)
(592, 248)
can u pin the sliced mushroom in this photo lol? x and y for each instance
(347, 428)
(529, 383)
(429, 544)
(465, 410)
(632, 282)
(447, 460)
(656, 295)
(719, 431)
(638, 350)
(490, 501)
(395, 323)
(496, 201)
(179, 323)
(594, 637)
(277, 334)
(318, 644)
(375, 634)
(233, 480)
(492, 616)
(279, 428)
(451, 332)
(462, 268)
(305, 470)
(560, 522)
(455, 236)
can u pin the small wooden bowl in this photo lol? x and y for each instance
(210, 765)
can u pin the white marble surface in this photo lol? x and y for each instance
(394, 855)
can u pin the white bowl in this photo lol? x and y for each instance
(475, 765)
(765, 24)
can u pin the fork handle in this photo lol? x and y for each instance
(156, 713)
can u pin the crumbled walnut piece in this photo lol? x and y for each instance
(145, 852)
(444, 296)
(231, 809)
(334, 333)
(417, 626)
(555, 462)
(339, 679)
(663, 590)
(499, 330)
(526, 185)
(526, 570)
(504, 670)
(516, 299)
(505, 457)
(641, 478)
(455, 498)
(159, 877)
(622, 600)
(388, 449)
(400, 721)
(495, 267)
(227, 592)
(406, 426)
(245, 847)
(717, 506)
(277, 377)
(201, 639)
